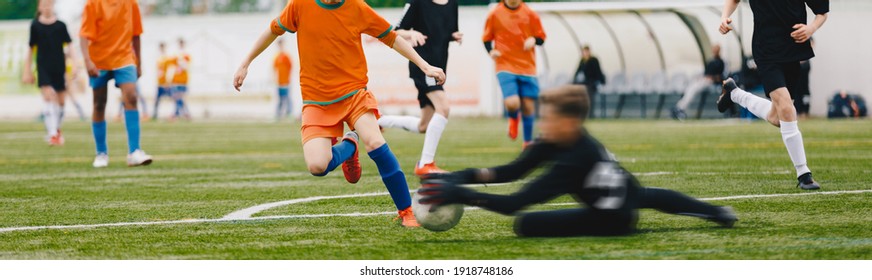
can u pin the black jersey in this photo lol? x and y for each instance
(584, 170)
(437, 22)
(49, 40)
(773, 23)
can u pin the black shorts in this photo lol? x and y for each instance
(424, 89)
(576, 222)
(56, 79)
(781, 75)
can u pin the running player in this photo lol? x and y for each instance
(181, 63)
(430, 25)
(579, 166)
(163, 85)
(49, 39)
(110, 47)
(781, 41)
(511, 33)
(333, 80)
(282, 66)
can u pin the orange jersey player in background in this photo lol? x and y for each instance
(333, 78)
(164, 88)
(180, 64)
(110, 47)
(511, 32)
(282, 66)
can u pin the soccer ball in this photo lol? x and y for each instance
(444, 218)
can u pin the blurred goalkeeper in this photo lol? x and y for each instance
(579, 166)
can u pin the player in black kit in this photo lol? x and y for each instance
(430, 25)
(781, 41)
(579, 166)
(49, 39)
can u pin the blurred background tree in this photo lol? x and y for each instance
(17, 9)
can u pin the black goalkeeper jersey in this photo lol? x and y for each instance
(435, 21)
(773, 23)
(584, 170)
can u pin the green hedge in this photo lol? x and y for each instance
(17, 9)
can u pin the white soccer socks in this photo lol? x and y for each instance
(407, 123)
(50, 118)
(431, 138)
(758, 106)
(793, 141)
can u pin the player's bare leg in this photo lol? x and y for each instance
(792, 137)
(388, 167)
(436, 117)
(317, 154)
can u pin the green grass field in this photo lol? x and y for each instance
(208, 170)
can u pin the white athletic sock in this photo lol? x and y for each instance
(431, 138)
(50, 119)
(407, 123)
(758, 106)
(59, 111)
(793, 141)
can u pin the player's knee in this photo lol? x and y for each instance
(318, 169)
(512, 104)
(374, 143)
(422, 127)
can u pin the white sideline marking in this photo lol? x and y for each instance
(307, 216)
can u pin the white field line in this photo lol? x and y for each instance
(307, 216)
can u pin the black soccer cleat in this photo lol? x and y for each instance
(806, 182)
(726, 218)
(724, 101)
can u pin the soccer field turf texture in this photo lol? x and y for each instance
(208, 170)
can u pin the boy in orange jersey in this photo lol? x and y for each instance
(110, 47)
(333, 80)
(282, 66)
(511, 32)
(181, 63)
(163, 85)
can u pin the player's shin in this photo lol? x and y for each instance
(99, 130)
(793, 141)
(673, 202)
(340, 153)
(431, 139)
(131, 122)
(758, 106)
(392, 176)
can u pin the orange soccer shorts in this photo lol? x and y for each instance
(328, 121)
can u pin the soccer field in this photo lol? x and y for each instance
(180, 207)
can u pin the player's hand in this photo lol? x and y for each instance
(495, 54)
(529, 43)
(138, 71)
(435, 73)
(458, 37)
(27, 78)
(92, 69)
(726, 26)
(416, 38)
(239, 77)
(438, 192)
(802, 33)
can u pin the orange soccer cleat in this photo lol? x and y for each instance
(351, 166)
(513, 128)
(408, 217)
(428, 169)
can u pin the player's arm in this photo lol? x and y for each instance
(266, 38)
(88, 31)
(729, 8)
(529, 160)
(404, 28)
(136, 51)
(489, 36)
(803, 32)
(404, 48)
(84, 42)
(27, 76)
(553, 184)
(538, 36)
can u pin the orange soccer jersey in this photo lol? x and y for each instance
(282, 65)
(508, 29)
(163, 64)
(181, 63)
(332, 62)
(110, 25)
